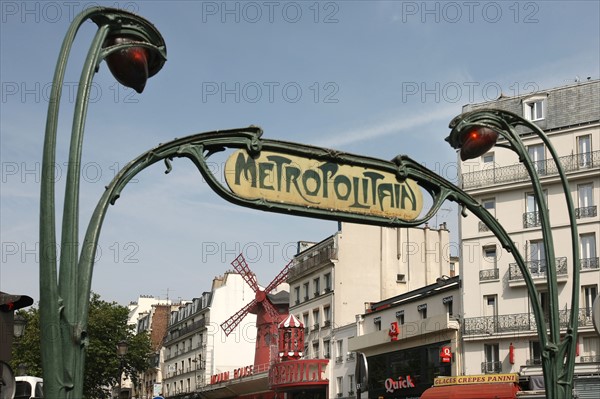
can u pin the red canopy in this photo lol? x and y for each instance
(502, 390)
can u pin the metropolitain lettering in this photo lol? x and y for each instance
(291, 179)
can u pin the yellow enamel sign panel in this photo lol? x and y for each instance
(295, 180)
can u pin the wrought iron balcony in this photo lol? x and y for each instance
(312, 257)
(531, 219)
(586, 212)
(589, 264)
(489, 274)
(488, 325)
(517, 172)
(339, 359)
(491, 367)
(589, 359)
(537, 268)
(483, 227)
(536, 361)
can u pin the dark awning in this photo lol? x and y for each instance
(474, 391)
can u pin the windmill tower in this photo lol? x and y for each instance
(267, 315)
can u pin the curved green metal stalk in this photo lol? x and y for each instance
(558, 356)
(62, 327)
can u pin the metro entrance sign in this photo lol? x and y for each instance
(268, 175)
(328, 185)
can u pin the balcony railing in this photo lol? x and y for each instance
(350, 356)
(586, 212)
(589, 359)
(482, 227)
(313, 257)
(537, 268)
(491, 367)
(489, 274)
(518, 322)
(339, 359)
(531, 219)
(536, 361)
(517, 172)
(589, 264)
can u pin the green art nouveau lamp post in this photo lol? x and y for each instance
(134, 51)
(476, 132)
(268, 175)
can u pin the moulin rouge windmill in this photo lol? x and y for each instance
(267, 315)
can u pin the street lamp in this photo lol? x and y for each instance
(19, 324)
(134, 51)
(122, 348)
(474, 133)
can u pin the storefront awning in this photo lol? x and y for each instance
(473, 391)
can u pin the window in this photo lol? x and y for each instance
(305, 286)
(422, 309)
(585, 201)
(489, 204)
(317, 286)
(591, 346)
(340, 386)
(327, 278)
(537, 258)
(400, 316)
(489, 257)
(589, 294)
(315, 349)
(340, 348)
(316, 319)
(537, 153)
(377, 322)
(489, 305)
(534, 110)
(588, 254)
(531, 218)
(447, 301)
(584, 147)
(297, 294)
(488, 159)
(351, 384)
(535, 353)
(492, 362)
(327, 349)
(327, 315)
(545, 303)
(305, 320)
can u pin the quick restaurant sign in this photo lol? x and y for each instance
(302, 181)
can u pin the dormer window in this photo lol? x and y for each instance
(534, 109)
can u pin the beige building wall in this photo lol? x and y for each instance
(497, 311)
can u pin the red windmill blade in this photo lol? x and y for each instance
(230, 324)
(239, 265)
(260, 300)
(280, 278)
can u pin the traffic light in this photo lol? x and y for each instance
(476, 142)
(10, 303)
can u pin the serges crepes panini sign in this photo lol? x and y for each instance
(295, 180)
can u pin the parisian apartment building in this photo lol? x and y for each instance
(196, 347)
(410, 339)
(497, 313)
(336, 279)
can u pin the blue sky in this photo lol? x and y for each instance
(367, 77)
